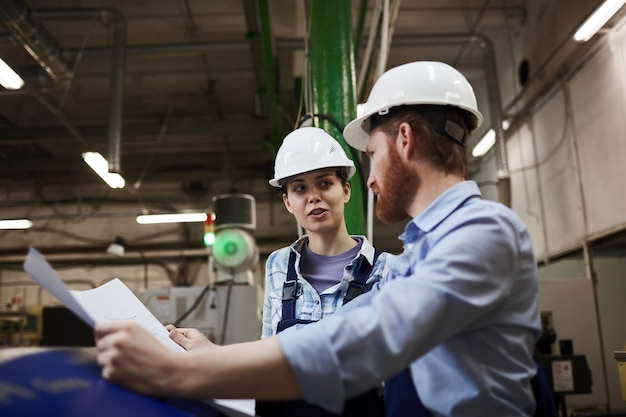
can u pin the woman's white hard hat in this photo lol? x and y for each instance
(422, 82)
(308, 149)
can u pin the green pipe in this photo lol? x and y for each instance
(276, 137)
(333, 88)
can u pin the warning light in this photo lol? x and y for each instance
(209, 230)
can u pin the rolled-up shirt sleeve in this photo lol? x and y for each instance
(448, 284)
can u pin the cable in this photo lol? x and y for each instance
(326, 117)
(193, 306)
(226, 309)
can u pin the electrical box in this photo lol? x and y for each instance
(224, 313)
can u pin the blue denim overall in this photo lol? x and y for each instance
(402, 400)
(367, 404)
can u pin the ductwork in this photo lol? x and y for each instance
(118, 68)
(15, 15)
(34, 38)
(489, 62)
(42, 46)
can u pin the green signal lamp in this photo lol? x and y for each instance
(209, 230)
(234, 249)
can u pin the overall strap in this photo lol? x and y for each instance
(290, 289)
(357, 285)
(401, 398)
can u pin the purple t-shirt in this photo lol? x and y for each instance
(322, 271)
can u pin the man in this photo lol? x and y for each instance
(456, 319)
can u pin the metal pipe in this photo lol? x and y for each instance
(37, 41)
(369, 50)
(118, 68)
(360, 22)
(173, 48)
(268, 59)
(283, 44)
(381, 64)
(293, 44)
(254, 44)
(495, 109)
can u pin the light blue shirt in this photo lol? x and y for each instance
(460, 305)
(310, 305)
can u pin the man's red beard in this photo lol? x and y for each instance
(398, 187)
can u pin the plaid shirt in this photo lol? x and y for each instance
(310, 305)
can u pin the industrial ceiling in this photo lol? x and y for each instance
(175, 92)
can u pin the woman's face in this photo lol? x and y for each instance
(317, 200)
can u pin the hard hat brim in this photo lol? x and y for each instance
(355, 134)
(350, 171)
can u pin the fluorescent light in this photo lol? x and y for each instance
(485, 144)
(171, 218)
(100, 166)
(597, 19)
(16, 224)
(9, 78)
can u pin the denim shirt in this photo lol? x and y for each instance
(459, 306)
(310, 305)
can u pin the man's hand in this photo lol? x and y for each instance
(132, 357)
(190, 339)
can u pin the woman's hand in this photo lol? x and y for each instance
(190, 339)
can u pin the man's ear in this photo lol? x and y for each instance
(405, 141)
(287, 203)
(347, 189)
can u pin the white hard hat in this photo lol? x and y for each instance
(308, 149)
(424, 82)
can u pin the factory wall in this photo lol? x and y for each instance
(566, 163)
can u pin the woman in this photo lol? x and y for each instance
(326, 267)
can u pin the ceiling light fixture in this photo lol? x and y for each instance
(9, 78)
(171, 218)
(15, 224)
(485, 144)
(597, 19)
(117, 247)
(100, 166)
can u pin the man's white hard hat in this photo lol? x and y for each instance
(422, 82)
(308, 149)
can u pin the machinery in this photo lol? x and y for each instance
(224, 313)
(235, 251)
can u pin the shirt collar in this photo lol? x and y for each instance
(441, 208)
(367, 250)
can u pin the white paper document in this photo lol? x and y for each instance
(109, 302)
